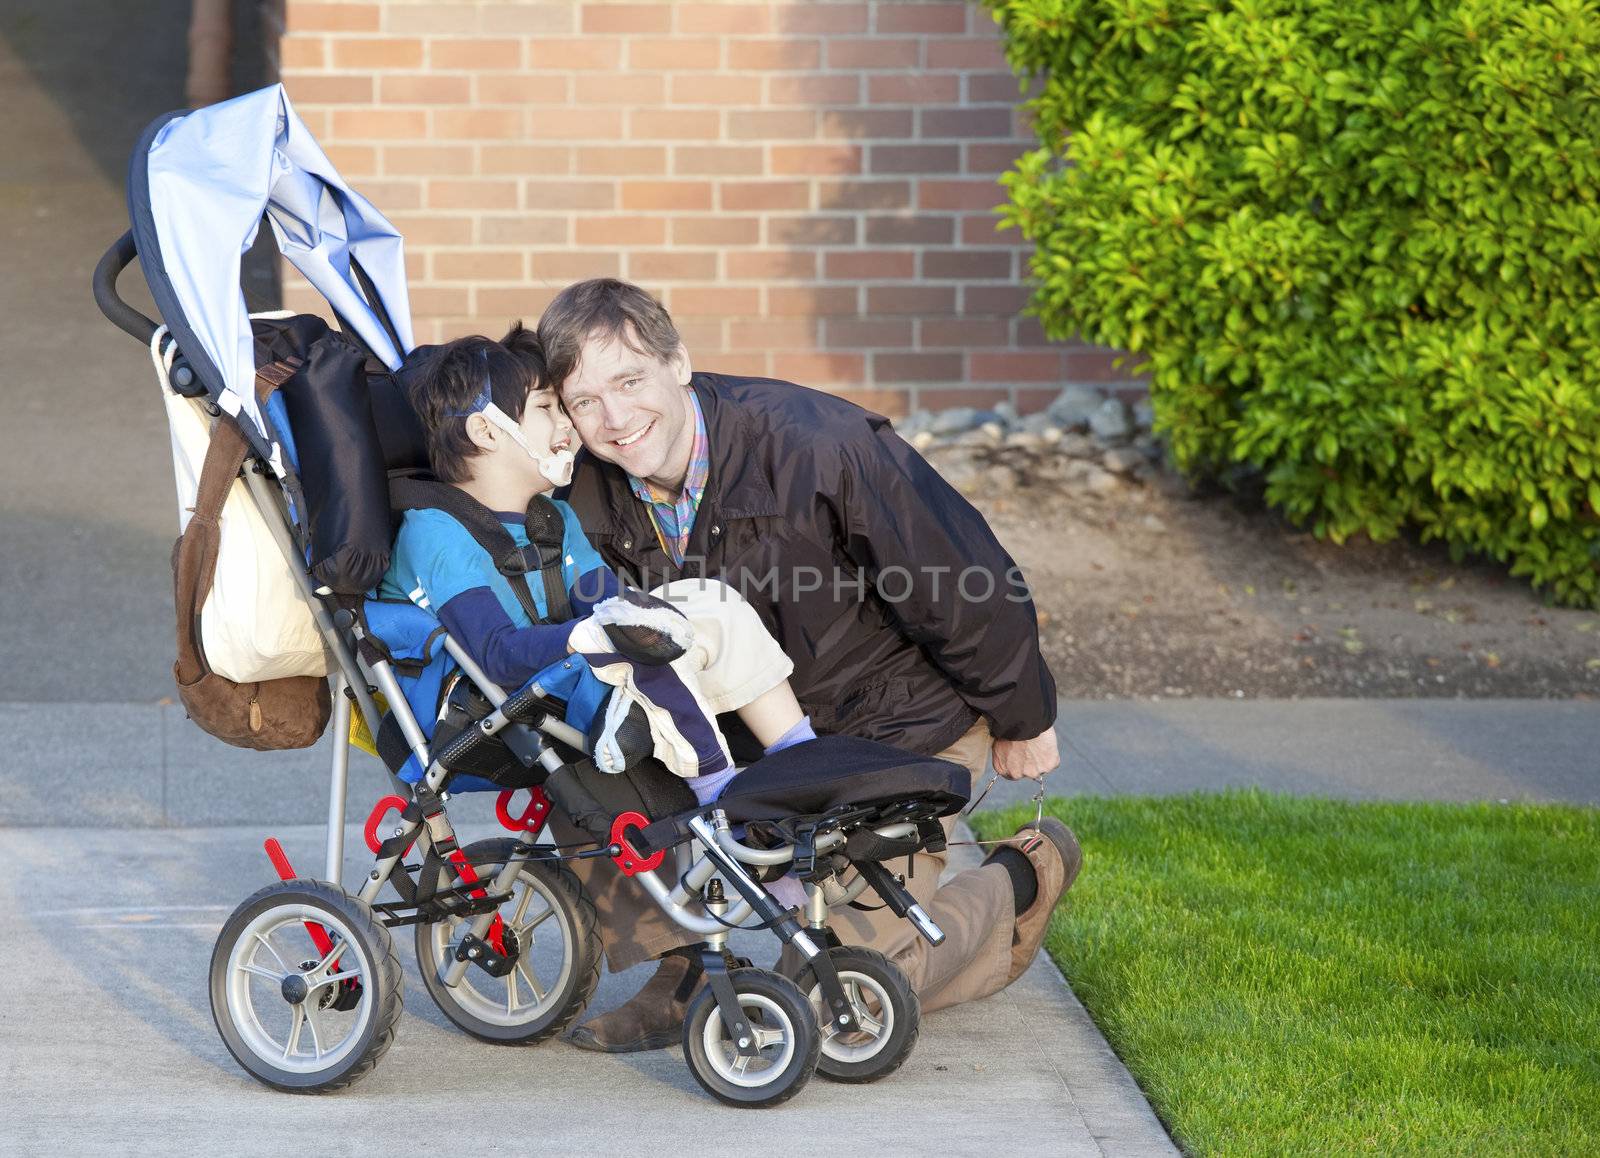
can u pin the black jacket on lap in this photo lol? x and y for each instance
(905, 618)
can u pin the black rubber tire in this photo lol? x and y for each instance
(794, 1017)
(382, 982)
(905, 1013)
(579, 924)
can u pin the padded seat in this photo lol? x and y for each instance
(832, 771)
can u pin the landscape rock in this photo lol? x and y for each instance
(1073, 407)
(957, 420)
(1144, 415)
(1111, 423)
(1124, 460)
(1077, 446)
(922, 440)
(1101, 482)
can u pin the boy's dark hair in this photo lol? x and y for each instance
(611, 309)
(449, 387)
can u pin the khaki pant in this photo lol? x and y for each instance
(974, 908)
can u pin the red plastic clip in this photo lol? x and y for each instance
(630, 860)
(379, 811)
(533, 817)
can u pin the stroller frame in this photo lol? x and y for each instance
(738, 1007)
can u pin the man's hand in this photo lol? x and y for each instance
(1027, 759)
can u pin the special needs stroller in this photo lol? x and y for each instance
(305, 984)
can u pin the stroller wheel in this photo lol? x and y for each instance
(885, 1007)
(549, 923)
(305, 987)
(786, 1040)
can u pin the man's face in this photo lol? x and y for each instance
(633, 409)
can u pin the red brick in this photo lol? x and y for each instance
(525, 160)
(428, 160)
(1031, 400)
(1016, 366)
(380, 124)
(870, 265)
(717, 160)
(918, 229)
(763, 265)
(574, 53)
(965, 123)
(675, 265)
(963, 333)
(915, 158)
(949, 397)
(892, 124)
(900, 367)
(676, 54)
(911, 299)
(521, 89)
(819, 369)
(718, 302)
(377, 52)
(774, 55)
(774, 334)
(430, 300)
(979, 194)
(416, 265)
(1092, 364)
(758, 195)
(573, 265)
(297, 52)
(811, 230)
(478, 265)
(772, 125)
(592, 230)
(697, 89)
(698, 335)
(868, 333)
(477, 124)
(477, 54)
(986, 54)
(561, 125)
(743, 19)
(716, 230)
(993, 159)
(924, 88)
(524, 229)
(822, 18)
(304, 17)
(673, 125)
(425, 90)
(541, 194)
(813, 90)
(863, 194)
(666, 195)
(331, 90)
(923, 18)
(553, 19)
(622, 160)
(961, 264)
(432, 228)
(813, 301)
(982, 229)
(627, 18)
(1002, 300)
(472, 194)
(1000, 88)
(889, 403)
(353, 160)
(751, 365)
(404, 193)
(1028, 332)
(621, 89)
(524, 302)
(807, 160)
(873, 52)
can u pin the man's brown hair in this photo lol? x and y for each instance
(450, 387)
(607, 308)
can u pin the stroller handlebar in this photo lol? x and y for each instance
(118, 312)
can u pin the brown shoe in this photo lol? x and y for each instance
(650, 1019)
(1056, 858)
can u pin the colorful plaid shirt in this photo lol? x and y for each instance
(674, 520)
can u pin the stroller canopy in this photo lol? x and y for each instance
(199, 185)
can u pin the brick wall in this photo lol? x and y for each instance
(808, 186)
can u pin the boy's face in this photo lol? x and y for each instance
(547, 430)
(632, 409)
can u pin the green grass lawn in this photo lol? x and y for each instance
(1285, 975)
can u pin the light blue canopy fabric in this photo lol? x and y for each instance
(212, 174)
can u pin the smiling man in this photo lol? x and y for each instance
(906, 620)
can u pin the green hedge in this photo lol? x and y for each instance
(1355, 245)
